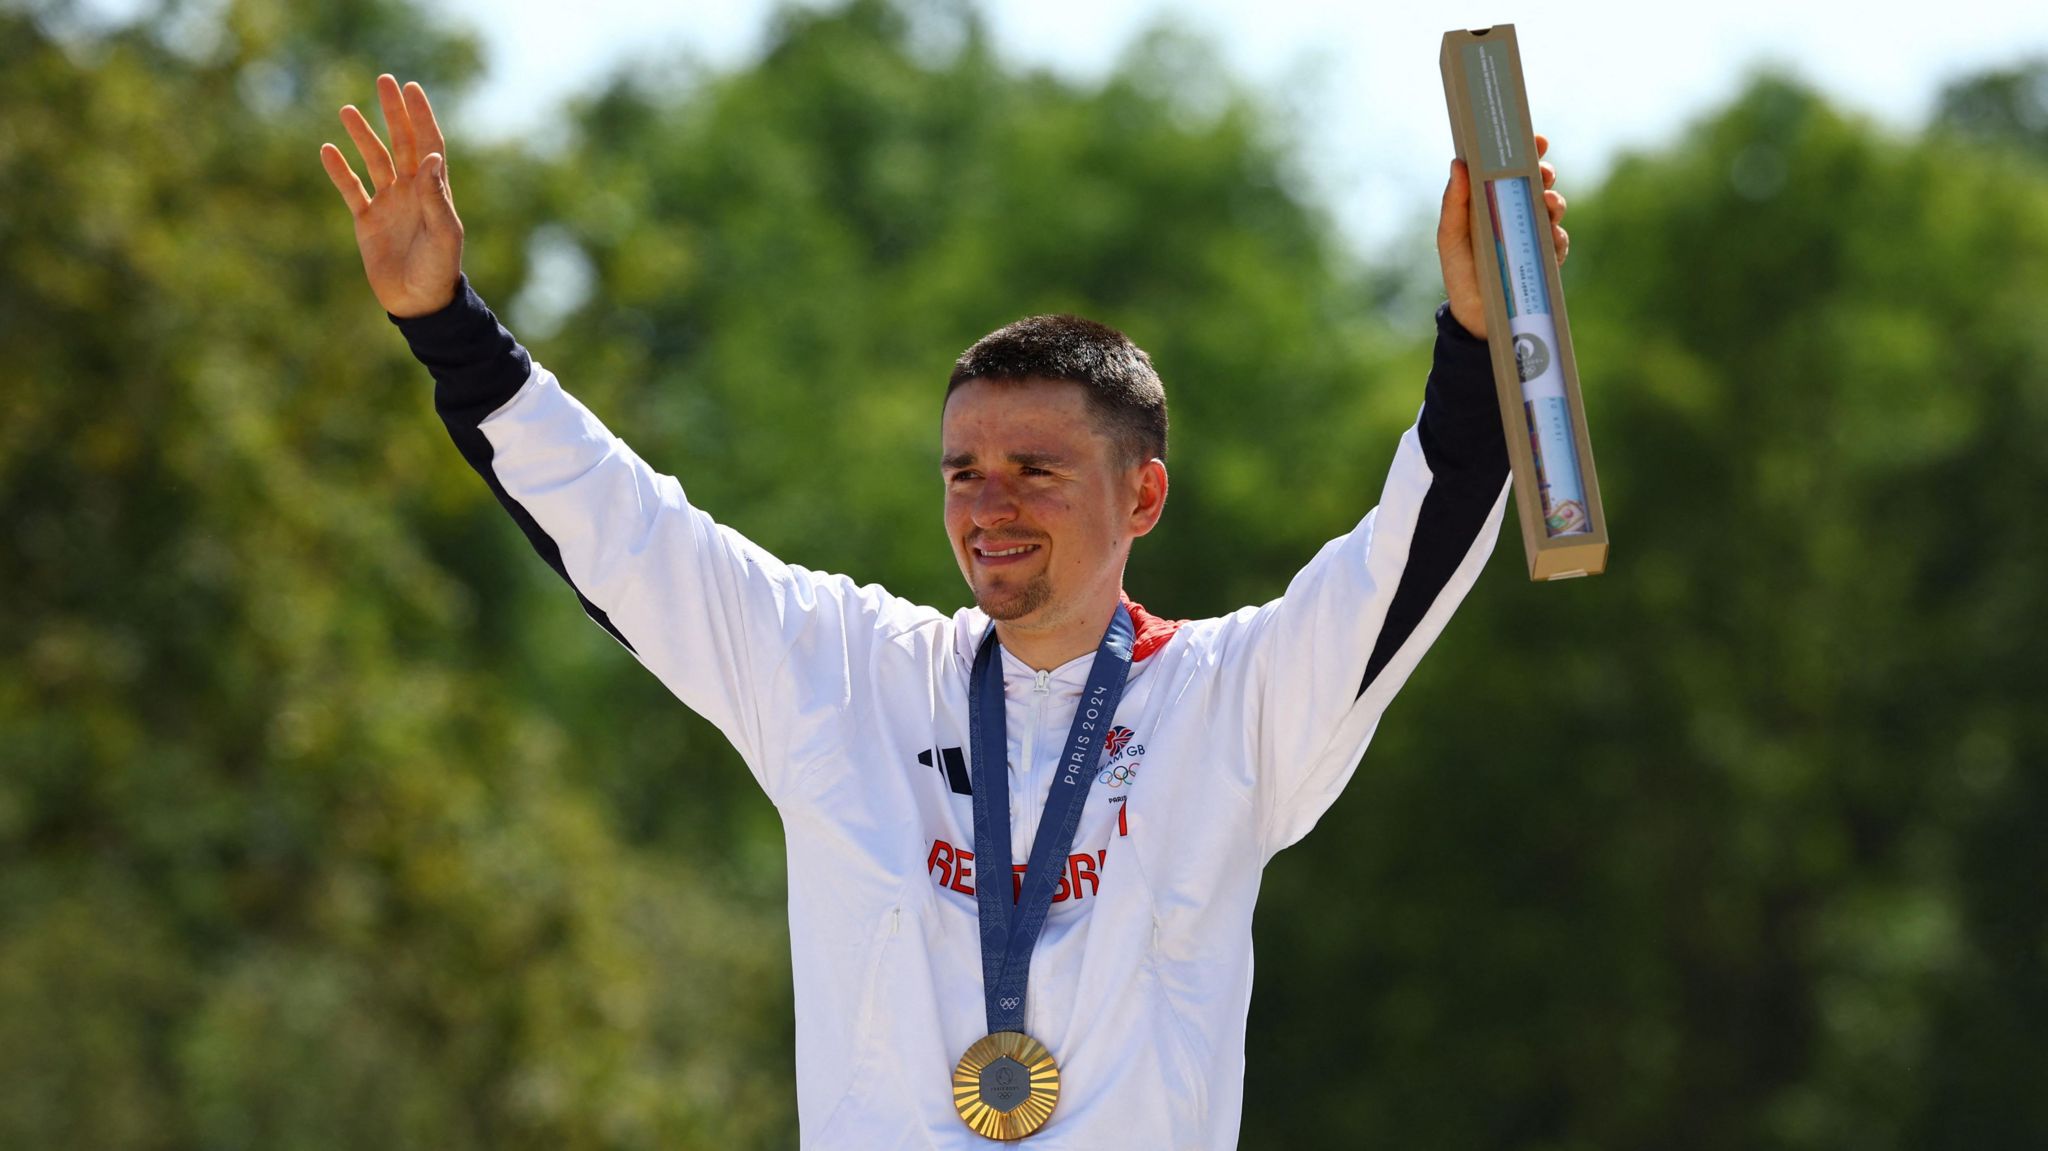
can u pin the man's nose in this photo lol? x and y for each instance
(995, 503)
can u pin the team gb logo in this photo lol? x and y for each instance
(1120, 765)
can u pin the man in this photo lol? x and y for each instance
(1024, 840)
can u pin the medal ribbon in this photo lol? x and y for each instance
(1009, 933)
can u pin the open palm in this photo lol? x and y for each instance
(408, 233)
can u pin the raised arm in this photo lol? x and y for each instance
(1326, 658)
(760, 648)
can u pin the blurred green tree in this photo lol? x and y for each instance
(2007, 106)
(1729, 847)
(282, 864)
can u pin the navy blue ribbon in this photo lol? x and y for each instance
(1008, 933)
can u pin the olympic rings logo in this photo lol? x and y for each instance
(1119, 775)
(1122, 754)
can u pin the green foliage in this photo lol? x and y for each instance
(327, 820)
(1722, 849)
(2006, 106)
(285, 865)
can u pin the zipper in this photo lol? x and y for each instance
(1032, 799)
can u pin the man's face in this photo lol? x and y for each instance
(1039, 506)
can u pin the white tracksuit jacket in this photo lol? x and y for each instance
(850, 707)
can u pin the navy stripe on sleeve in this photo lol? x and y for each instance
(477, 367)
(1461, 438)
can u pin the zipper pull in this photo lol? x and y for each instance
(1044, 684)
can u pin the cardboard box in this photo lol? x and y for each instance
(1564, 529)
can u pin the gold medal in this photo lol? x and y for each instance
(1006, 1084)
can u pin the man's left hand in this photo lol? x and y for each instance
(1454, 240)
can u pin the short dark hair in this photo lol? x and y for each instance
(1116, 373)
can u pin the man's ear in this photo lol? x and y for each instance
(1149, 496)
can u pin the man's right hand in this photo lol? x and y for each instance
(409, 235)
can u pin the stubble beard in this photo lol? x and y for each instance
(1018, 603)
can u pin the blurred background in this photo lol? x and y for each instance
(328, 821)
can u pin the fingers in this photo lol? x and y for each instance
(345, 180)
(398, 123)
(426, 129)
(375, 158)
(1455, 219)
(1554, 202)
(441, 215)
(1454, 252)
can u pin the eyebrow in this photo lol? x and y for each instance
(1021, 459)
